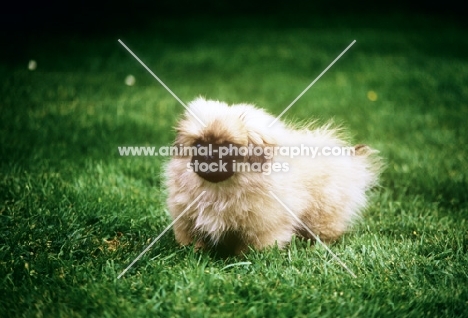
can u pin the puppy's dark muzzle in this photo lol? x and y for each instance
(212, 163)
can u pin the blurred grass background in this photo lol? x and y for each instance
(74, 213)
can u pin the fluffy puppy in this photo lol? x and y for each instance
(326, 192)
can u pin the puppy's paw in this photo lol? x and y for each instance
(199, 246)
(182, 237)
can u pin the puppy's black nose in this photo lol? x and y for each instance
(214, 162)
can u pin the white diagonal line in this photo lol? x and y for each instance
(162, 83)
(160, 235)
(313, 82)
(312, 233)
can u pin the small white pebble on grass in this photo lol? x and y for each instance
(32, 65)
(130, 80)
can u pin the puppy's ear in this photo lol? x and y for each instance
(185, 136)
(260, 142)
(259, 135)
(182, 139)
(186, 133)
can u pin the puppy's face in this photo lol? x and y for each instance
(227, 130)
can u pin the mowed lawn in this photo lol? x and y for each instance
(74, 214)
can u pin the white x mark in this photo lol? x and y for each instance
(310, 85)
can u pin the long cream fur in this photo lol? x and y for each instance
(326, 193)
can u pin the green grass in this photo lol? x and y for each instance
(73, 214)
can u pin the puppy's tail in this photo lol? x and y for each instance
(364, 150)
(375, 163)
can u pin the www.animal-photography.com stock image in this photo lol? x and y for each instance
(244, 159)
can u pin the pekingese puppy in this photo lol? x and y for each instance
(240, 161)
